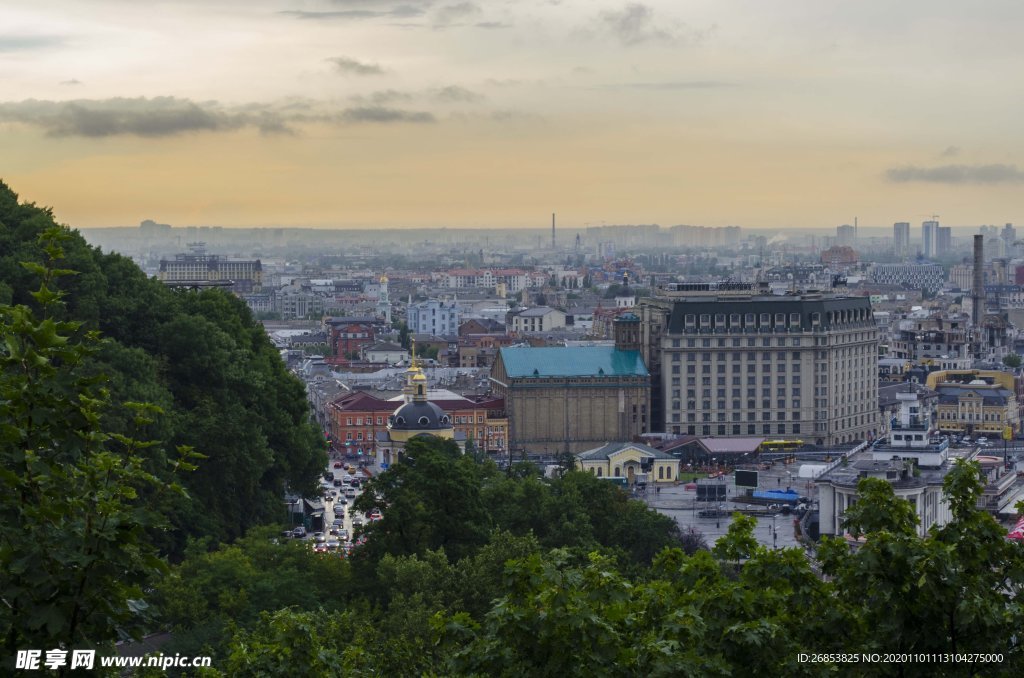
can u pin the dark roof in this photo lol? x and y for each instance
(419, 416)
(950, 394)
(608, 449)
(766, 304)
(574, 361)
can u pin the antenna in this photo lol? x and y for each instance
(552, 230)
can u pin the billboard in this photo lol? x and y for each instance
(746, 478)
(711, 492)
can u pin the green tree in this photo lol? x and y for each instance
(1013, 360)
(430, 499)
(74, 554)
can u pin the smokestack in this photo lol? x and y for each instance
(552, 230)
(978, 286)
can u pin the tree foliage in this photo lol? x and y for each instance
(199, 356)
(78, 498)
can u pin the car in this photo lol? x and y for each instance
(343, 535)
(350, 493)
(337, 464)
(354, 482)
(375, 515)
(333, 544)
(357, 521)
(342, 500)
(333, 532)
(347, 478)
(338, 522)
(982, 439)
(299, 532)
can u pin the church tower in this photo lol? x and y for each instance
(383, 301)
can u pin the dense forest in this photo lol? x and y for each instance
(147, 437)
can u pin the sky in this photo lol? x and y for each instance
(494, 113)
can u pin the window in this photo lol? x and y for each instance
(348, 421)
(617, 474)
(751, 429)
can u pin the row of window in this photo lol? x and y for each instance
(368, 421)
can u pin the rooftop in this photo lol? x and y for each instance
(577, 361)
(608, 449)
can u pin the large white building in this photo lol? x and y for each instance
(728, 360)
(434, 317)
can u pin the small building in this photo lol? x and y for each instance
(385, 352)
(538, 319)
(636, 462)
(915, 461)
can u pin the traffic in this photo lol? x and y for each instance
(341, 484)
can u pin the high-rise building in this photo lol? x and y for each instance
(846, 236)
(901, 238)
(943, 240)
(728, 359)
(929, 238)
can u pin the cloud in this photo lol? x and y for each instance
(451, 13)
(456, 94)
(956, 174)
(492, 25)
(347, 65)
(398, 11)
(385, 96)
(634, 24)
(949, 152)
(673, 85)
(156, 117)
(72, 81)
(379, 114)
(20, 43)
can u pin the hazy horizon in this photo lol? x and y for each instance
(345, 114)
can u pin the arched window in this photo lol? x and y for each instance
(617, 474)
(424, 421)
(600, 472)
(661, 473)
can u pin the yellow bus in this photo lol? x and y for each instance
(781, 445)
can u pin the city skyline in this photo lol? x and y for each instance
(349, 113)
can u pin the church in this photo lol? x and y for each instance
(417, 416)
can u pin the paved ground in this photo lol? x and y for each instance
(682, 505)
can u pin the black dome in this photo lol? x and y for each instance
(424, 416)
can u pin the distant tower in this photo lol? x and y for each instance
(552, 230)
(577, 241)
(383, 302)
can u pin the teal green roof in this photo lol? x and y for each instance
(572, 361)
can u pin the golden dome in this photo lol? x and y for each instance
(384, 279)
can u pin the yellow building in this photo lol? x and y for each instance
(975, 402)
(417, 416)
(633, 461)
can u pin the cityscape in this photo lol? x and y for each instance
(351, 337)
